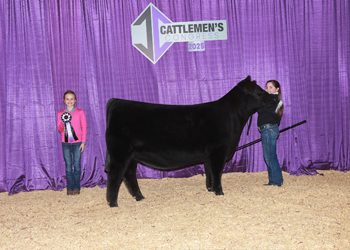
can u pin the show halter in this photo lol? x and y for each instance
(69, 132)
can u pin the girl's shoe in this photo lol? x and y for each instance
(69, 192)
(76, 192)
(274, 184)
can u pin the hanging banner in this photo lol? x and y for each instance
(153, 33)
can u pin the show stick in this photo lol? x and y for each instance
(259, 140)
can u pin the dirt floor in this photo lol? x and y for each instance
(308, 212)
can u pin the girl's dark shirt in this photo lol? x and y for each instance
(268, 115)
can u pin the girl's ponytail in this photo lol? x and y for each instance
(276, 84)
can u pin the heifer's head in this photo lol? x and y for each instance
(255, 96)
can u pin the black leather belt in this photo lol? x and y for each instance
(266, 126)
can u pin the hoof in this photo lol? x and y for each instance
(219, 193)
(113, 204)
(210, 189)
(139, 198)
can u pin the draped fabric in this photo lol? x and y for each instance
(48, 47)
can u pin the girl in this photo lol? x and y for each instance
(71, 123)
(268, 122)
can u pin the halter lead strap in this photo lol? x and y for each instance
(250, 123)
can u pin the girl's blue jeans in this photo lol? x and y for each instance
(269, 138)
(72, 156)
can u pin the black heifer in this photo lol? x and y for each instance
(168, 137)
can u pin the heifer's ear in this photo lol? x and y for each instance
(248, 78)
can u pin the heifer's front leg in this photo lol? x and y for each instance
(114, 180)
(130, 181)
(215, 165)
(208, 180)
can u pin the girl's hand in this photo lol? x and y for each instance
(82, 147)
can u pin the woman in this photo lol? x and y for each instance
(268, 121)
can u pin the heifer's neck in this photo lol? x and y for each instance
(239, 105)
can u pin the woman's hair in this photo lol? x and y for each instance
(276, 84)
(69, 92)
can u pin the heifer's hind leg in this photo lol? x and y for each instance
(130, 181)
(114, 180)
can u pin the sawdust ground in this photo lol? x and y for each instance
(308, 212)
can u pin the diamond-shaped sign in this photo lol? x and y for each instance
(145, 33)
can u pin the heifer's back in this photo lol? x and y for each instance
(168, 136)
(173, 136)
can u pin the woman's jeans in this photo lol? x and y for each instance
(269, 137)
(72, 155)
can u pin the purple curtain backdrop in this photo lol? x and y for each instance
(47, 47)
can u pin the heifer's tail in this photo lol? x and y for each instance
(108, 158)
(107, 161)
(108, 107)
